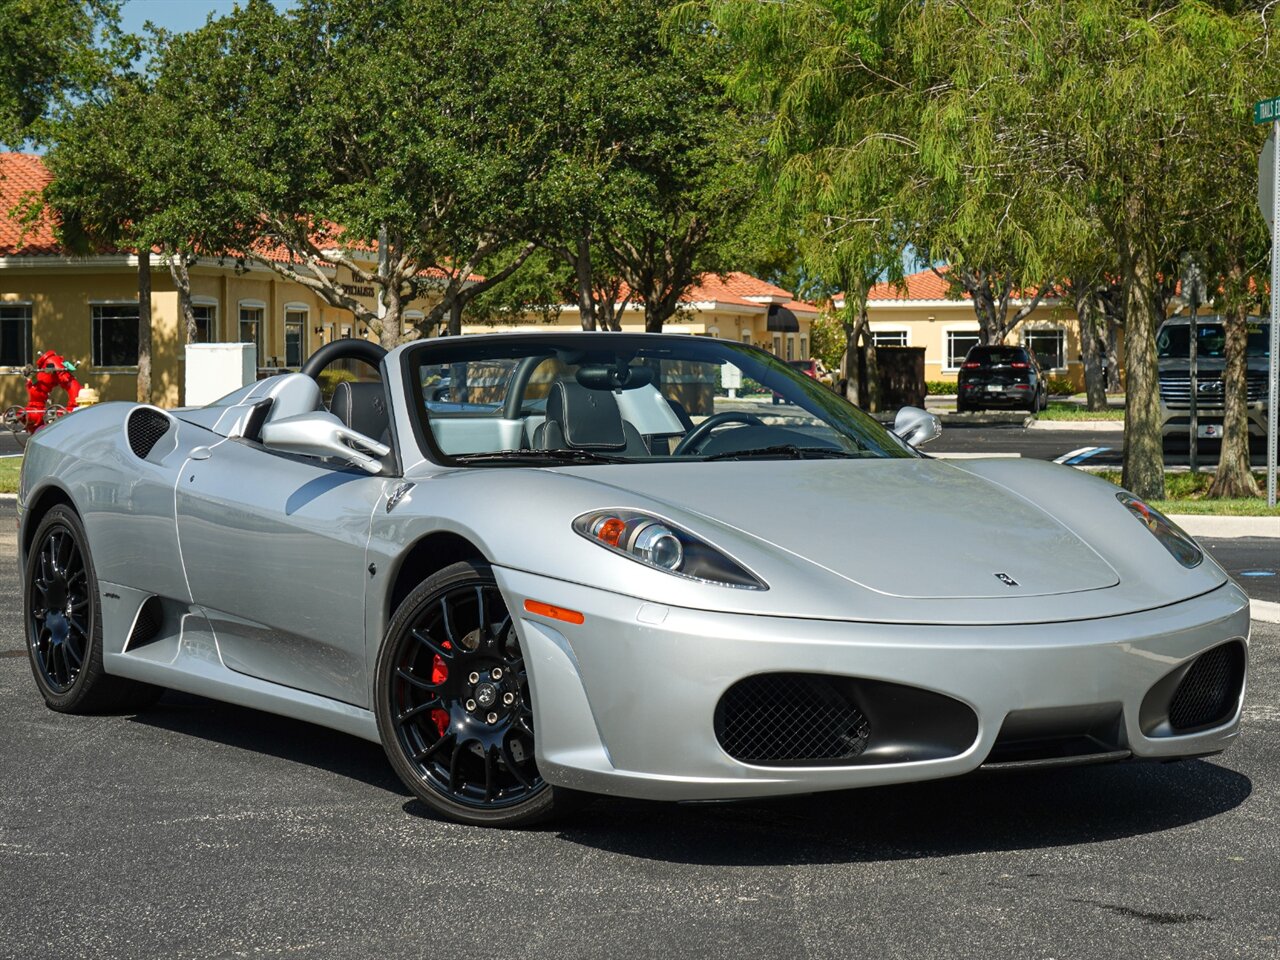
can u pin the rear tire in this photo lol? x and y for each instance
(453, 706)
(61, 614)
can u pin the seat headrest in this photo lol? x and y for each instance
(362, 407)
(589, 419)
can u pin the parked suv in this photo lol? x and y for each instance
(1000, 377)
(1173, 352)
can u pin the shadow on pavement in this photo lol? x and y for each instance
(980, 813)
(281, 737)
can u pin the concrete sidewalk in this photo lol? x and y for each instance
(1225, 527)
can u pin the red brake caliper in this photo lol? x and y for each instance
(439, 673)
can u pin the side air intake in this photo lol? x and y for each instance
(145, 428)
(147, 625)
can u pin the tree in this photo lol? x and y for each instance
(52, 53)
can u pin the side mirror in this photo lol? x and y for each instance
(321, 434)
(917, 427)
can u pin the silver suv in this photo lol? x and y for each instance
(1173, 350)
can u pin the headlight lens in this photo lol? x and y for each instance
(662, 545)
(1183, 548)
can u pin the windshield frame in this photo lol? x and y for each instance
(419, 354)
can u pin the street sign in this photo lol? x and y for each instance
(1266, 181)
(1267, 111)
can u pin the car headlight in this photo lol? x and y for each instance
(1184, 549)
(662, 545)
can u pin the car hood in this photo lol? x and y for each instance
(904, 528)
(882, 541)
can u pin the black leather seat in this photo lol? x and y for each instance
(363, 408)
(582, 419)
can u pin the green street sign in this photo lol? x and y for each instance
(1267, 111)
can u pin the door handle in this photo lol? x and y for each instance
(200, 453)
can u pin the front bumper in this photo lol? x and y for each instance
(625, 702)
(1176, 420)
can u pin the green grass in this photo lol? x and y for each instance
(9, 469)
(1072, 411)
(1185, 493)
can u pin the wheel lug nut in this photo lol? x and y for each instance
(492, 718)
(471, 705)
(496, 673)
(508, 698)
(474, 678)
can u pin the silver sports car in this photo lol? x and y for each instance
(537, 565)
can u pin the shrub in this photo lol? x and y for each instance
(936, 387)
(1060, 386)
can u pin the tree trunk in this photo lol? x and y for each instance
(1143, 472)
(391, 330)
(1114, 384)
(1235, 476)
(582, 272)
(144, 325)
(1095, 386)
(181, 274)
(455, 317)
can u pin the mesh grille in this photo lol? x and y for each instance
(1207, 694)
(145, 428)
(147, 627)
(790, 718)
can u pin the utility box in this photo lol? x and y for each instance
(215, 369)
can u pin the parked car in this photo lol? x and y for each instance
(1004, 377)
(567, 587)
(1173, 354)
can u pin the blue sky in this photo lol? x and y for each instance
(173, 14)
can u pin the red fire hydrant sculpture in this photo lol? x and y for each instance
(49, 372)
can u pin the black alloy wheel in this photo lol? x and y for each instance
(453, 704)
(63, 628)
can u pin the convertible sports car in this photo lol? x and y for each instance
(537, 565)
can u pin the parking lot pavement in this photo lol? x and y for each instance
(203, 830)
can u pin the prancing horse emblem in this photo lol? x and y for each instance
(1007, 580)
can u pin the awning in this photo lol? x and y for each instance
(782, 320)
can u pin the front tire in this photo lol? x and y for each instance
(61, 609)
(453, 706)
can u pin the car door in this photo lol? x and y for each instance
(274, 549)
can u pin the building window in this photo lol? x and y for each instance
(251, 323)
(206, 315)
(1049, 346)
(746, 336)
(115, 335)
(15, 335)
(295, 329)
(804, 348)
(791, 347)
(889, 338)
(959, 343)
(777, 344)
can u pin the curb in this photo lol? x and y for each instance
(1200, 525)
(1265, 611)
(1079, 426)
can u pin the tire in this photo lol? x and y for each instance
(63, 628)
(451, 661)
(961, 406)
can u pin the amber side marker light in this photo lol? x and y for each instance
(555, 613)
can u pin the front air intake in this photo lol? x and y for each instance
(1208, 694)
(146, 426)
(789, 719)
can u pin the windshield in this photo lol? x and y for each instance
(1174, 341)
(997, 356)
(621, 398)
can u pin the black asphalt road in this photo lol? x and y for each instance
(197, 830)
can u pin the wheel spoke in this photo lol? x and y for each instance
(455, 772)
(490, 774)
(67, 648)
(79, 627)
(480, 608)
(428, 752)
(448, 625)
(439, 649)
(509, 759)
(63, 555)
(418, 682)
(433, 704)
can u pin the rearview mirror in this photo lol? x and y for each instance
(917, 427)
(321, 434)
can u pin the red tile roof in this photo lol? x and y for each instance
(925, 285)
(22, 174)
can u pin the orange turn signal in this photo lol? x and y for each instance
(555, 613)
